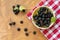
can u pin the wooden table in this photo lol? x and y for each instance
(6, 16)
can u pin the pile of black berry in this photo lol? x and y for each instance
(17, 9)
(44, 17)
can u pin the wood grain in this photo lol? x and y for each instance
(6, 16)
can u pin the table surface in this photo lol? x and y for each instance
(6, 15)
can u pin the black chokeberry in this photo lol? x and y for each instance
(10, 24)
(47, 25)
(49, 14)
(13, 7)
(13, 23)
(18, 29)
(34, 32)
(25, 29)
(42, 19)
(40, 14)
(26, 34)
(48, 22)
(35, 17)
(16, 11)
(39, 23)
(21, 22)
(23, 10)
(48, 19)
(18, 5)
(44, 8)
(46, 16)
(39, 18)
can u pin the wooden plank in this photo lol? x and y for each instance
(7, 16)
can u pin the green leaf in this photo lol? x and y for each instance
(21, 8)
(15, 8)
(53, 19)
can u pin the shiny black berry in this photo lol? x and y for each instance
(46, 25)
(23, 10)
(39, 18)
(13, 7)
(44, 22)
(21, 22)
(48, 19)
(43, 15)
(49, 14)
(48, 22)
(18, 29)
(43, 9)
(18, 5)
(25, 29)
(26, 34)
(16, 11)
(34, 32)
(10, 24)
(35, 17)
(38, 23)
(42, 19)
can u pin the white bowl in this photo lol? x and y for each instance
(35, 12)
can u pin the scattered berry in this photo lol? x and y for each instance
(25, 29)
(23, 10)
(21, 22)
(34, 32)
(13, 7)
(18, 29)
(26, 34)
(10, 24)
(18, 5)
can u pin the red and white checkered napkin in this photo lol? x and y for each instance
(52, 33)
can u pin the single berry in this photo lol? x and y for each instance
(39, 18)
(18, 29)
(49, 14)
(23, 10)
(26, 34)
(16, 11)
(48, 19)
(18, 5)
(35, 17)
(39, 12)
(44, 22)
(34, 32)
(47, 25)
(13, 7)
(10, 24)
(25, 29)
(43, 15)
(38, 23)
(42, 19)
(21, 22)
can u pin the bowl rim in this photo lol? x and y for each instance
(43, 27)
